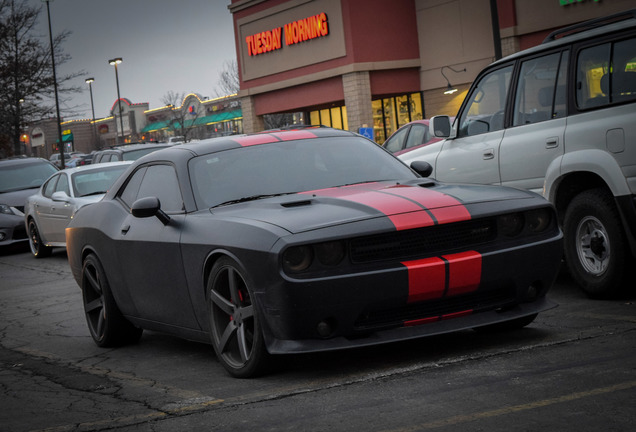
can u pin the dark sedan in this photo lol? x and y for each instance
(302, 241)
(19, 179)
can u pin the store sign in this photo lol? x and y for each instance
(37, 137)
(292, 33)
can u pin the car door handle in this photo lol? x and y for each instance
(552, 142)
(125, 229)
(489, 154)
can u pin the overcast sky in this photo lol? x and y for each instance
(166, 45)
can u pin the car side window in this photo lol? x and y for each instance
(486, 106)
(606, 74)
(161, 181)
(592, 76)
(535, 95)
(396, 142)
(623, 82)
(418, 135)
(130, 192)
(62, 185)
(49, 187)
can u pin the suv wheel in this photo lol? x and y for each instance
(595, 249)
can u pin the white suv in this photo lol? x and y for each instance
(559, 119)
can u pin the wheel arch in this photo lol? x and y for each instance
(210, 260)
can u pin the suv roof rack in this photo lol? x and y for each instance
(591, 24)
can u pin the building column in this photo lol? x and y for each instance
(251, 122)
(357, 95)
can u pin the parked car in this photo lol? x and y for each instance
(19, 178)
(302, 241)
(78, 159)
(409, 137)
(55, 158)
(49, 211)
(559, 119)
(127, 152)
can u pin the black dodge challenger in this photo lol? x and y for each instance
(305, 240)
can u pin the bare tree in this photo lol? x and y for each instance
(228, 83)
(182, 119)
(26, 73)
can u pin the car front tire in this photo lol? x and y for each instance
(595, 248)
(107, 325)
(235, 327)
(38, 249)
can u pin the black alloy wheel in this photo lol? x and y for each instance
(105, 322)
(234, 322)
(38, 249)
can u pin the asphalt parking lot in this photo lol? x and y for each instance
(574, 368)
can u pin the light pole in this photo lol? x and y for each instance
(57, 101)
(115, 62)
(90, 82)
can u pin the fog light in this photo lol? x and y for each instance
(533, 291)
(2, 236)
(324, 328)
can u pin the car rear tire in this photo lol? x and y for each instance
(107, 325)
(595, 247)
(235, 327)
(38, 249)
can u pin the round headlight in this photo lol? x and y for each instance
(511, 225)
(330, 253)
(539, 220)
(297, 258)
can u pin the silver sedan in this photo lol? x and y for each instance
(49, 211)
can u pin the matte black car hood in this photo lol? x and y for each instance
(407, 206)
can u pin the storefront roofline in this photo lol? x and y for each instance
(339, 71)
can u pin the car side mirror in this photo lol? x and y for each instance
(440, 126)
(423, 168)
(149, 207)
(60, 196)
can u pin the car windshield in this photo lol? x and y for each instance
(24, 176)
(290, 166)
(95, 182)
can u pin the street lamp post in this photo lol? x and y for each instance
(57, 101)
(90, 82)
(115, 62)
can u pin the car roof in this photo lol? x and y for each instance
(23, 161)
(267, 137)
(96, 167)
(130, 147)
(587, 30)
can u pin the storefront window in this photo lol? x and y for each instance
(389, 114)
(331, 117)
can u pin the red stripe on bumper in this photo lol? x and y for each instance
(427, 279)
(465, 272)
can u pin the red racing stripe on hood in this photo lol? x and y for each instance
(444, 208)
(407, 207)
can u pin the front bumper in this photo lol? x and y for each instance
(378, 305)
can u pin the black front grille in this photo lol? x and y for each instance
(478, 301)
(423, 242)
